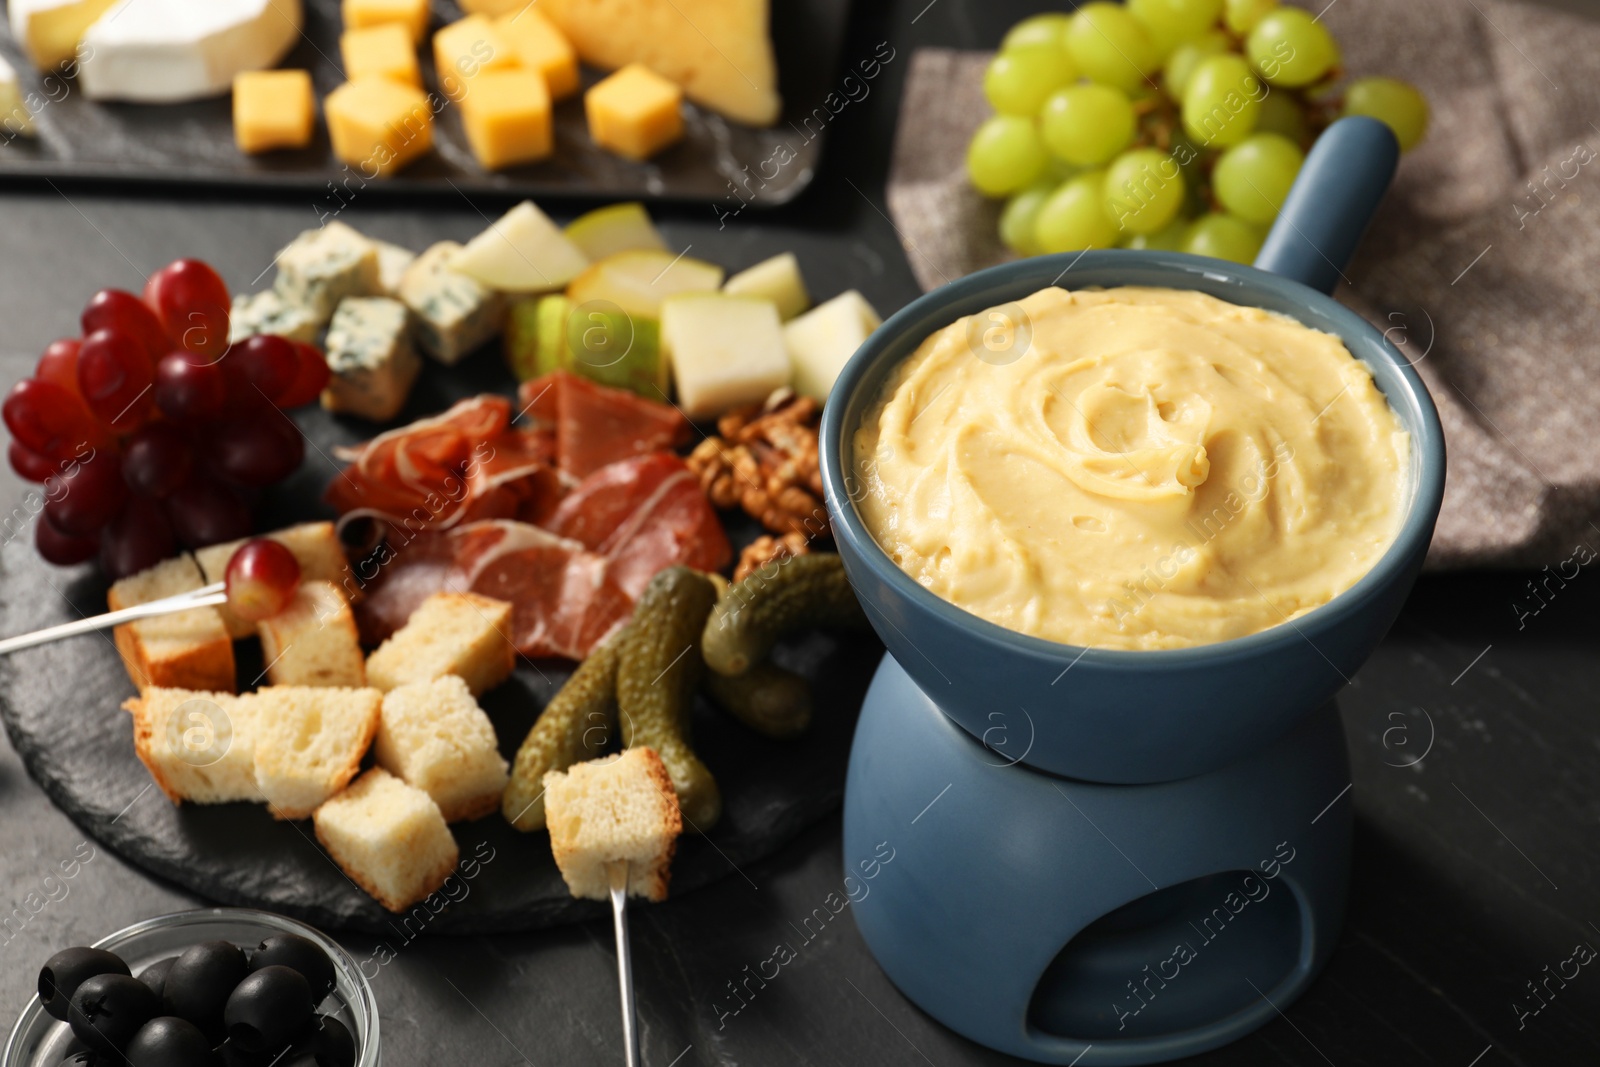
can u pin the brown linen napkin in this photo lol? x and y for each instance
(1482, 265)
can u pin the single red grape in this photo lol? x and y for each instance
(191, 301)
(62, 549)
(265, 362)
(156, 460)
(311, 377)
(205, 512)
(29, 464)
(190, 391)
(48, 420)
(115, 376)
(262, 449)
(87, 494)
(59, 364)
(138, 538)
(261, 579)
(120, 310)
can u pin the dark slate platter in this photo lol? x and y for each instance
(193, 142)
(60, 704)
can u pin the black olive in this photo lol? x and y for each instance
(267, 1009)
(64, 971)
(230, 1055)
(155, 975)
(302, 954)
(167, 1041)
(108, 1009)
(327, 1043)
(200, 980)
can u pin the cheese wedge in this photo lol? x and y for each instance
(161, 51)
(717, 50)
(15, 118)
(49, 30)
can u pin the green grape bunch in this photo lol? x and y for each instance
(1164, 124)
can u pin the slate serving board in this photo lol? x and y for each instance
(193, 142)
(61, 707)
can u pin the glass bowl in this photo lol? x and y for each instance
(38, 1040)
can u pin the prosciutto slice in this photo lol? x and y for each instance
(595, 425)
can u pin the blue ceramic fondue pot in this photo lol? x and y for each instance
(1152, 716)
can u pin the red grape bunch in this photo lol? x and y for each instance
(150, 431)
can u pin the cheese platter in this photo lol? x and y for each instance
(305, 96)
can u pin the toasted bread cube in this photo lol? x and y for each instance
(309, 743)
(382, 51)
(541, 47)
(434, 736)
(466, 48)
(273, 109)
(389, 837)
(412, 14)
(377, 125)
(198, 746)
(507, 118)
(634, 112)
(315, 546)
(614, 808)
(449, 633)
(314, 640)
(188, 650)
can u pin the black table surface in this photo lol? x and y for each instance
(1475, 868)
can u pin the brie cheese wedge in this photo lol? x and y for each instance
(161, 51)
(49, 30)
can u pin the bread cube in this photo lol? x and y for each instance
(540, 47)
(434, 736)
(412, 14)
(309, 743)
(616, 808)
(197, 746)
(273, 109)
(370, 356)
(451, 314)
(321, 267)
(268, 312)
(393, 262)
(382, 51)
(316, 547)
(449, 633)
(634, 112)
(188, 650)
(724, 350)
(389, 837)
(466, 48)
(507, 118)
(778, 280)
(314, 640)
(378, 126)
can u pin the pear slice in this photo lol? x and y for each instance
(637, 282)
(724, 350)
(607, 346)
(615, 228)
(523, 252)
(776, 279)
(821, 341)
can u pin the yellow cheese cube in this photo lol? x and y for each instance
(540, 46)
(507, 118)
(466, 48)
(378, 125)
(412, 14)
(635, 112)
(381, 51)
(495, 8)
(273, 109)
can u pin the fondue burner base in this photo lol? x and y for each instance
(1073, 922)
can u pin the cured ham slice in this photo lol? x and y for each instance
(596, 425)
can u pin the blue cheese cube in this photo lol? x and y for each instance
(324, 266)
(369, 352)
(452, 314)
(267, 312)
(392, 264)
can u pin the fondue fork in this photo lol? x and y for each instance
(194, 598)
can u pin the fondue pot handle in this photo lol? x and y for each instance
(1344, 177)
